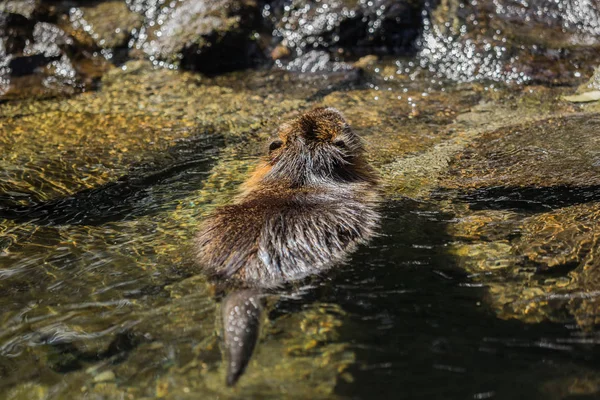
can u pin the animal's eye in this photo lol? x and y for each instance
(339, 143)
(275, 145)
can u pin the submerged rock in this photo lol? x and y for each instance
(536, 268)
(546, 162)
(527, 209)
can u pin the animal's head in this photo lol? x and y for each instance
(317, 147)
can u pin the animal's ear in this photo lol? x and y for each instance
(275, 144)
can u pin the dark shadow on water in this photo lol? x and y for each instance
(129, 197)
(419, 330)
(353, 80)
(526, 199)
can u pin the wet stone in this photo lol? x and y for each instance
(346, 27)
(549, 163)
(105, 376)
(541, 41)
(211, 37)
(526, 217)
(535, 267)
(80, 150)
(564, 243)
(109, 24)
(42, 60)
(415, 121)
(21, 7)
(592, 85)
(585, 97)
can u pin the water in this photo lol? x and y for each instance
(483, 283)
(107, 289)
(420, 330)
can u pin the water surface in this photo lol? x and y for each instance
(482, 284)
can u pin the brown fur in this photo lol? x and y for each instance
(308, 204)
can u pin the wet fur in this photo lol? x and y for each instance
(280, 234)
(306, 207)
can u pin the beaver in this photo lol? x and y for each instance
(309, 203)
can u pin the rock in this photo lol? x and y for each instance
(279, 52)
(42, 60)
(549, 261)
(540, 41)
(47, 40)
(586, 97)
(110, 24)
(347, 26)
(105, 376)
(24, 8)
(210, 37)
(564, 243)
(536, 162)
(15, 31)
(34, 58)
(365, 62)
(560, 237)
(316, 61)
(527, 206)
(39, 59)
(592, 85)
(342, 29)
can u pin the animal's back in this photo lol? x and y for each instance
(280, 235)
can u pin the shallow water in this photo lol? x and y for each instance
(99, 299)
(420, 329)
(483, 283)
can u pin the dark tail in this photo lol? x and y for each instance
(241, 325)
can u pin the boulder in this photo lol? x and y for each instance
(109, 24)
(206, 36)
(501, 40)
(348, 27)
(535, 162)
(40, 59)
